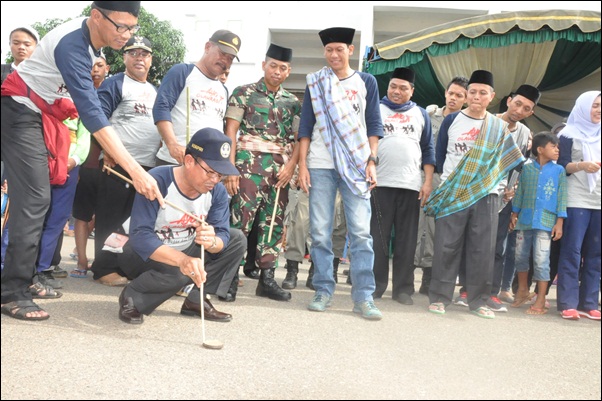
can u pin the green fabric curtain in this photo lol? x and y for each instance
(570, 62)
(427, 91)
(381, 66)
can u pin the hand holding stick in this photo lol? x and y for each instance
(210, 344)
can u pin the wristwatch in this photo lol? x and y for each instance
(373, 159)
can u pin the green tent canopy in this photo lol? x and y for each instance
(557, 51)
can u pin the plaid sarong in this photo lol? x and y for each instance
(479, 172)
(340, 129)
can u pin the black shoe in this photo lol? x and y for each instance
(251, 272)
(58, 272)
(127, 311)
(47, 278)
(404, 299)
(228, 298)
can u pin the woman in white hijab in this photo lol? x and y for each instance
(580, 156)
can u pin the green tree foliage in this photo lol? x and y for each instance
(43, 29)
(168, 44)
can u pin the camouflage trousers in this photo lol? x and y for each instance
(256, 200)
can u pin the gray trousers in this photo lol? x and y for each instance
(297, 232)
(473, 231)
(26, 162)
(426, 234)
(154, 283)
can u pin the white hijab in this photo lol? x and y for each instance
(581, 128)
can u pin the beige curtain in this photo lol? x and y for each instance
(507, 67)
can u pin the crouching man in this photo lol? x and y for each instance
(164, 248)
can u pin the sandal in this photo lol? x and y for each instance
(48, 292)
(483, 312)
(536, 311)
(437, 308)
(79, 273)
(20, 309)
(519, 300)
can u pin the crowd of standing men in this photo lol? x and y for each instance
(194, 174)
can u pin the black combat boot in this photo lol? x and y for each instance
(290, 281)
(268, 287)
(310, 277)
(250, 270)
(335, 269)
(426, 280)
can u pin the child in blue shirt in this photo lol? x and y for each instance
(538, 211)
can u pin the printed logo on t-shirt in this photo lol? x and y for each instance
(352, 96)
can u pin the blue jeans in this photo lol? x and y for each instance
(324, 185)
(580, 241)
(540, 241)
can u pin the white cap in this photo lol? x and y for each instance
(29, 29)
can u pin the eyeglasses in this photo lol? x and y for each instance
(121, 28)
(210, 174)
(141, 53)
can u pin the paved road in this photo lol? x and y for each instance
(277, 350)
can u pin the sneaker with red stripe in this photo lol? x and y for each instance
(570, 314)
(592, 314)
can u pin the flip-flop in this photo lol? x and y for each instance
(79, 273)
(536, 311)
(483, 312)
(437, 308)
(519, 301)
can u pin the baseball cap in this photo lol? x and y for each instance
(214, 148)
(227, 41)
(138, 42)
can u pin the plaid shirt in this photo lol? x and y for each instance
(541, 196)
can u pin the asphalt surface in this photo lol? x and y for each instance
(280, 350)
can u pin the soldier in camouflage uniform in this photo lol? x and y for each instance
(268, 119)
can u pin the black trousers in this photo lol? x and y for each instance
(26, 168)
(394, 209)
(113, 208)
(154, 283)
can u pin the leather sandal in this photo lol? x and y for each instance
(48, 292)
(20, 309)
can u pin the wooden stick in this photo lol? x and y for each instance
(274, 214)
(124, 178)
(202, 303)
